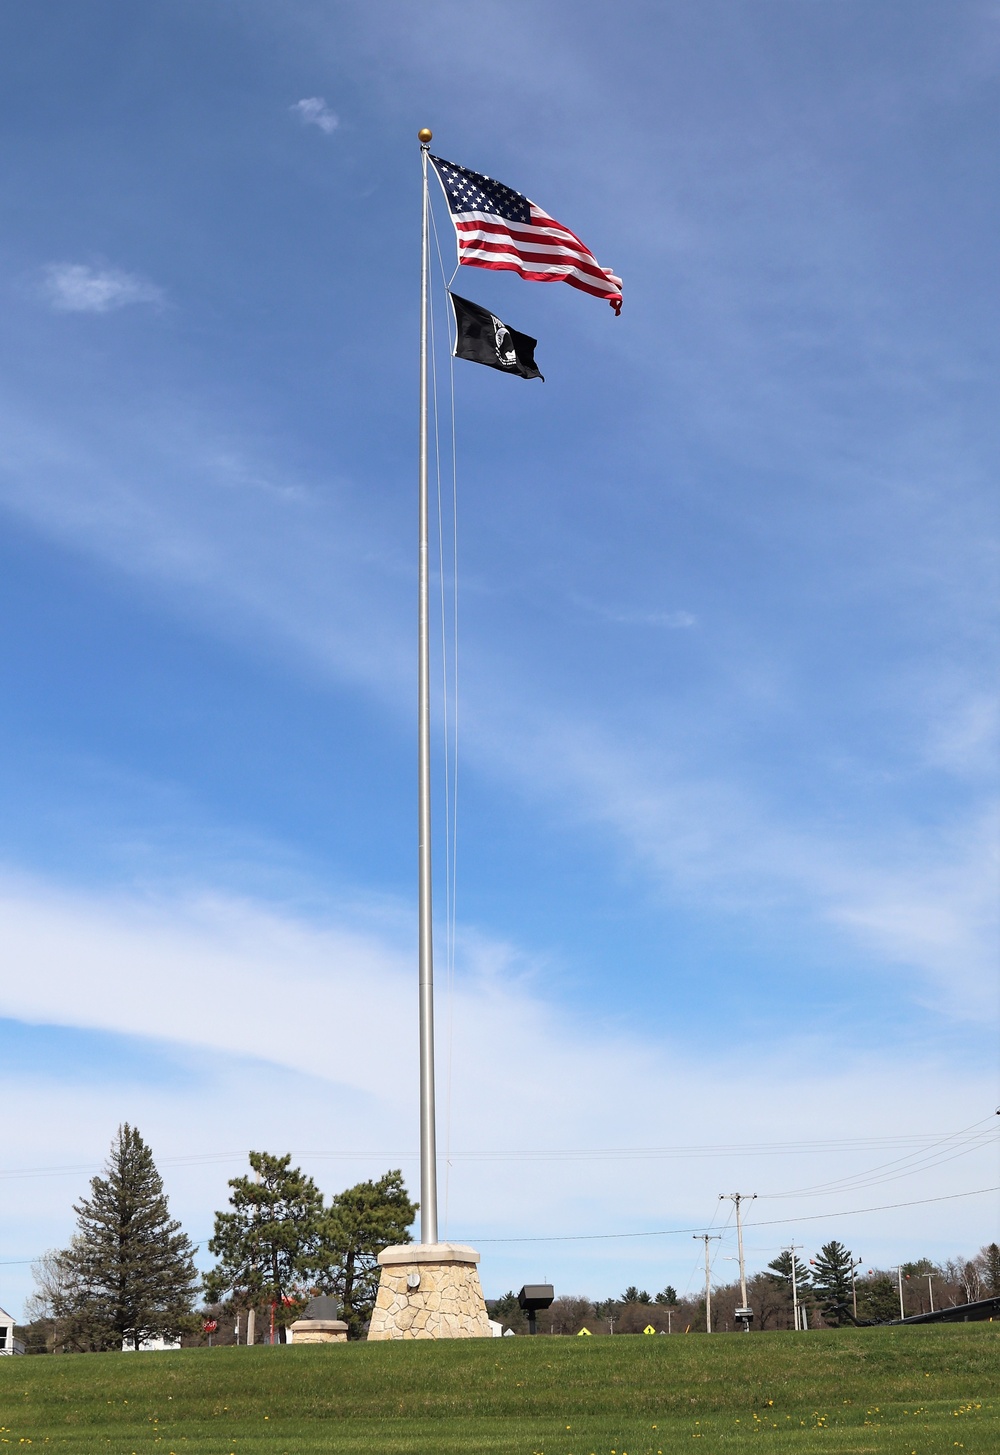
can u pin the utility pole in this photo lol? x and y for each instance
(899, 1275)
(855, 1265)
(747, 1314)
(930, 1288)
(792, 1248)
(706, 1239)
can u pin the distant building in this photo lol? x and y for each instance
(8, 1344)
(150, 1345)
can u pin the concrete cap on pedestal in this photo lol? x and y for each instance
(427, 1253)
(319, 1326)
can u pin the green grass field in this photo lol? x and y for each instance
(882, 1390)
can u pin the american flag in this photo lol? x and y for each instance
(498, 228)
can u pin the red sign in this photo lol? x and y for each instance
(210, 1326)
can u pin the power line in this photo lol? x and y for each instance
(763, 1223)
(920, 1141)
(677, 1232)
(943, 1145)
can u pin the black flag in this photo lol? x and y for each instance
(483, 339)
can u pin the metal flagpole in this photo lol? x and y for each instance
(430, 1290)
(428, 1140)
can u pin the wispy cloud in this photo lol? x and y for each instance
(923, 904)
(313, 111)
(134, 966)
(76, 288)
(671, 620)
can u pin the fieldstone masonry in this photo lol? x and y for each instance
(318, 1331)
(429, 1291)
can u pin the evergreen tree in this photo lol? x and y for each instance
(129, 1273)
(919, 1269)
(360, 1222)
(608, 1308)
(778, 1276)
(668, 1296)
(878, 1298)
(779, 1271)
(635, 1295)
(989, 1261)
(507, 1311)
(268, 1245)
(831, 1282)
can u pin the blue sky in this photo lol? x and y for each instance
(727, 592)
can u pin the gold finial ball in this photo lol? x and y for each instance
(424, 135)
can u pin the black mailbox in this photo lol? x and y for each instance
(532, 1297)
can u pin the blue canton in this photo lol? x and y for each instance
(472, 192)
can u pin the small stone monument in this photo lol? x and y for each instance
(429, 1291)
(319, 1323)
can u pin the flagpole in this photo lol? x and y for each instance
(428, 1147)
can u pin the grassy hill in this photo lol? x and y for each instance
(899, 1391)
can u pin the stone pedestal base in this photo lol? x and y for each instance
(318, 1331)
(429, 1291)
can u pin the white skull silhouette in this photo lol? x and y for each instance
(506, 352)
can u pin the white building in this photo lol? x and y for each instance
(8, 1344)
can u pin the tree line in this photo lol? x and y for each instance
(128, 1275)
(832, 1288)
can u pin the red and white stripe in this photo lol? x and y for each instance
(541, 250)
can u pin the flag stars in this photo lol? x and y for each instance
(473, 192)
(482, 210)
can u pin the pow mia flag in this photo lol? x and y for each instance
(483, 339)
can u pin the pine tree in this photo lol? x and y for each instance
(989, 1262)
(608, 1308)
(780, 1271)
(831, 1281)
(268, 1245)
(129, 1273)
(878, 1298)
(668, 1296)
(361, 1221)
(779, 1285)
(507, 1311)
